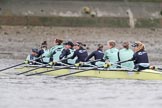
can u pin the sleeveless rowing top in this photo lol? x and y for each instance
(55, 52)
(126, 54)
(45, 59)
(112, 56)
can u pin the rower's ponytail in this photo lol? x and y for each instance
(100, 47)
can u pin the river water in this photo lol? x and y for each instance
(69, 92)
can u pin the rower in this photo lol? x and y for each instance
(44, 52)
(80, 52)
(55, 51)
(68, 51)
(124, 54)
(140, 56)
(97, 54)
(111, 55)
(33, 56)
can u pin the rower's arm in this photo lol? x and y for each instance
(64, 53)
(74, 55)
(51, 51)
(105, 57)
(90, 56)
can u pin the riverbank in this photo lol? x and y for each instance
(81, 13)
(57, 21)
(17, 41)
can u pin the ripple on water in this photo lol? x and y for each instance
(70, 92)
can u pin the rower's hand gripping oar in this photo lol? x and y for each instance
(16, 65)
(51, 63)
(124, 61)
(59, 68)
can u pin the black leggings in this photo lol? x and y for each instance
(139, 68)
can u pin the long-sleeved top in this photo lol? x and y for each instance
(81, 55)
(98, 54)
(140, 57)
(65, 53)
(33, 58)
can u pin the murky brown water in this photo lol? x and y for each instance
(47, 92)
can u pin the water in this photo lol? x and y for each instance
(47, 92)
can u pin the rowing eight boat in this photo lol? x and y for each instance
(98, 73)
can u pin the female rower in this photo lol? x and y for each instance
(112, 53)
(55, 51)
(124, 54)
(140, 56)
(98, 54)
(67, 52)
(33, 57)
(79, 52)
(44, 52)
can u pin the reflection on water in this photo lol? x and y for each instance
(47, 92)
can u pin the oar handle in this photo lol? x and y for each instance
(36, 59)
(123, 61)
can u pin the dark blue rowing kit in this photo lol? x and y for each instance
(65, 53)
(141, 60)
(81, 55)
(98, 54)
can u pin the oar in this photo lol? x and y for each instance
(158, 68)
(32, 69)
(123, 61)
(85, 70)
(39, 67)
(155, 68)
(17, 65)
(49, 70)
(58, 69)
(12, 66)
(75, 72)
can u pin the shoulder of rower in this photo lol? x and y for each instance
(141, 52)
